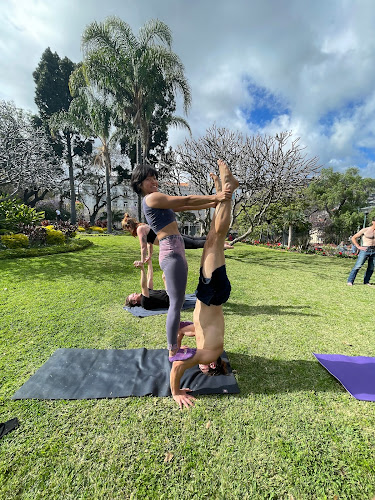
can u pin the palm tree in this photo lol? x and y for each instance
(91, 113)
(130, 67)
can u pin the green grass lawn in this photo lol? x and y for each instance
(292, 432)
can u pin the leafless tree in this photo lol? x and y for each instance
(268, 168)
(27, 160)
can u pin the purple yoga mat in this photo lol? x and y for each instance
(355, 373)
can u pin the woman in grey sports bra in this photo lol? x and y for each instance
(147, 237)
(159, 211)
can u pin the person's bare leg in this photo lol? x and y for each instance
(226, 176)
(217, 182)
(213, 252)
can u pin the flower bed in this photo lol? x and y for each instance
(322, 250)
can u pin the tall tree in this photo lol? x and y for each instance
(91, 113)
(28, 163)
(129, 66)
(52, 96)
(132, 68)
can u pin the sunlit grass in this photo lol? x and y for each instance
(293, 431)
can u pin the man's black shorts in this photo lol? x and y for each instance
(214, 290)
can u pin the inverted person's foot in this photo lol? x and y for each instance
(217, 182)
(226, 177)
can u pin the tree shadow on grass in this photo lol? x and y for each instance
(273, 310)
(92, 263)
(285, 261)
(258, 375)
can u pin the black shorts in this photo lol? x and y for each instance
(214, 290)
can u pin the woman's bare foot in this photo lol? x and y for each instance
(227, 245)
(226, 176)
(217, 182)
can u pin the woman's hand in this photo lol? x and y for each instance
(223, 195)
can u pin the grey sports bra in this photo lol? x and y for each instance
(158, 218)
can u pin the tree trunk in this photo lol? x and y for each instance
(290, 235)
(73, 215)
(139, 161)
(107, 163)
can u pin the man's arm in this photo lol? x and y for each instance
(181, 396)
(144, 286)
(355, 238)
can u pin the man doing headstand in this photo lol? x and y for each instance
(213, 290)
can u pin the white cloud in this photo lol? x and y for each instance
(317, 58)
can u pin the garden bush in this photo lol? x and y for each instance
(15, 240)
(13, 213)
(55, 237)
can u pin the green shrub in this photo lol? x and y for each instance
(15, 240)
(54, 237)
(13, 213)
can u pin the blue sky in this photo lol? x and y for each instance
(257, 66)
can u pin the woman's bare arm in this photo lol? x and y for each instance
(142, 232)
(191, 202)
(211, 204)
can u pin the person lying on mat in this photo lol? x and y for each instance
(213, 290)
(147, 237)
(159, 210)
(148, 298)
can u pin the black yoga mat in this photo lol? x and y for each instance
(99, 373)
(140, 312)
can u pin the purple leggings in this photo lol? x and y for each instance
(173, 263)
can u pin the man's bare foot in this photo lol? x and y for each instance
(349, 283)
(226, 176)
(227, 245)
(217, 182)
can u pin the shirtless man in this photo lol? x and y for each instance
(212, 291)
(366, 252)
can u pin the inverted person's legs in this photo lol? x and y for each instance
(213, 253)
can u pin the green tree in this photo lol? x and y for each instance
(341, 196)
(91, 113)
(52, 96)
(138, 71)
(131, 68)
